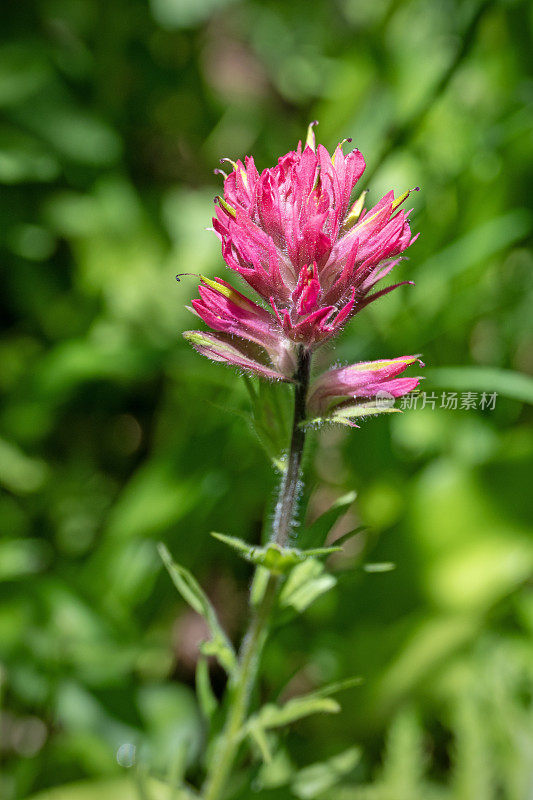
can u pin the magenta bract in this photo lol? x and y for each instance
(311, 254)
(291, 234)
(364, 380)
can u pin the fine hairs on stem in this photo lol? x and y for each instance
(288, 493)
(243, 682)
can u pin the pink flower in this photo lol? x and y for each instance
(314, 259)
(249, 336)
(222, 348)
(332, 395)
(291, 234)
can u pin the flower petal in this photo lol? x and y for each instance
(219, 347)
(290, 233)
(365, 379)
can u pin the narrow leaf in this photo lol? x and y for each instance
(316, 534)
(259, 585)
(176, 771)
(308, 594)
(206, 698)
(347, 536)
(185, 583)
(314, 780)
(334, 688)
(276, 773)
(305, 584)
(384, 566)
(244, 550)
(270, 419)
(338, 686)
(191, 591)
(356, 410)
(274, 716)
(278, 560)
(259, 736)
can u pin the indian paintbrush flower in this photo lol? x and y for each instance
(312, 258)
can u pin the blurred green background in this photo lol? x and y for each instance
(114, 434)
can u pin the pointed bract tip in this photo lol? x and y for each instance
(226, 206)
(229, 161)
(193, 336)
(355, 212)
(191, 274)
(339, 147)
(226, 290)
(310, 140)
(399, 200)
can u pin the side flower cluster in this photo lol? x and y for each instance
(313, 259)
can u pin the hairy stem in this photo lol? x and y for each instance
(288, 492)
(243, 682)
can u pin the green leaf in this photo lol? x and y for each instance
(243, 549)
(259, 585)
(314, 780)
(221, 649)
(382, 566)
(338, 686)
(187, 585)
(260, 737)
(347, 536)
(305, 583)
(321, 551)
(316, 534)
(271, 418)
(276, 559)
(272, 716)
(275, 773)
(343, 414)
(204, 692)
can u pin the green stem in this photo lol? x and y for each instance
(243, 682)
(241, 690)
(288, 493)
